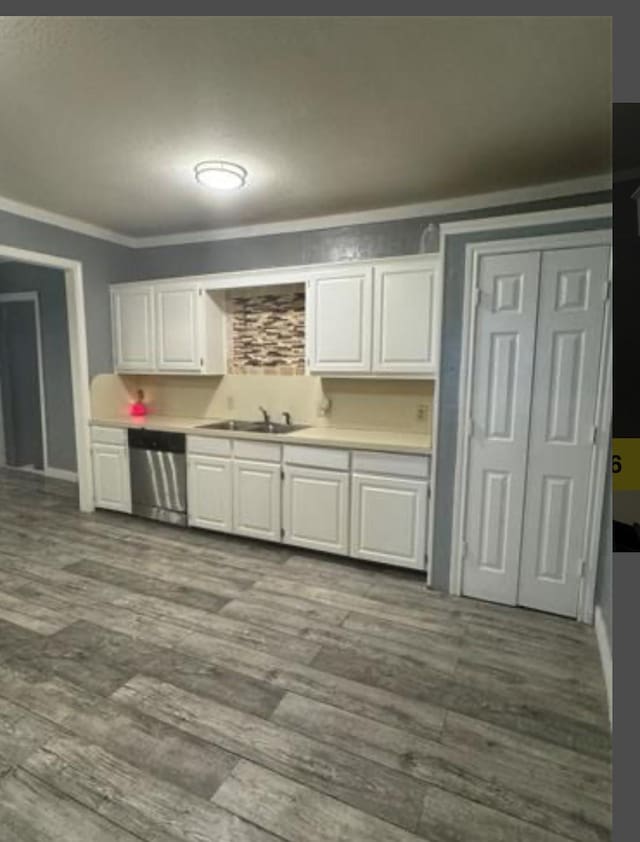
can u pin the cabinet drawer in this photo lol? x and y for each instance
(108, 435)
(260, 451)
(395, 464)
(316, 457)
(208, 446)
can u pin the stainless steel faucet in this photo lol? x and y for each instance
(265, 415)
(287, 418)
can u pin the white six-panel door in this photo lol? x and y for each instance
(570, 322)
(499, 423)
(535, 373)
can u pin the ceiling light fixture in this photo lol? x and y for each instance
(220, 175)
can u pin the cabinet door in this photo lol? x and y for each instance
(339, 322)
(209, 492)
(133, 328)
(111, 482)
(256, 499)
(405, 321)
(389, 520)
(316, 509)
(178, 327)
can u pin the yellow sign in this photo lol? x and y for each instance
(626, 464)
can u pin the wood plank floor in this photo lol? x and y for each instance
(162, 684)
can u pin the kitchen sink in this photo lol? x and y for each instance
(238, 426)
(252, 426)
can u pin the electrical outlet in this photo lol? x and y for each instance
(324, 407)
(421, 412)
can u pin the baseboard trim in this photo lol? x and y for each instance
(604, 645)
(60, 473)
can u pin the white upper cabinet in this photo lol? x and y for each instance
(133, 327)
(168, 327)
(339, 309)
(405, 323)
(377, 320)
(178, 328)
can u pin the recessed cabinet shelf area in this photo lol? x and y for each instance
(374, 319)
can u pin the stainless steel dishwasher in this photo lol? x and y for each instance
(158, 475)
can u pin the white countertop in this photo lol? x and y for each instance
(394, 441)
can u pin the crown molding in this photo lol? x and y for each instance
(462, 204)
(69, 223)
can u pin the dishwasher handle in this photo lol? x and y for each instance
(142, 439)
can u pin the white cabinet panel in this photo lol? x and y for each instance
(209, 492)
(111, 482)
(389, 520)
(405, 320)
(339, 311)
(133, 327)
(316, 509)
(256, 499)
(178, 328)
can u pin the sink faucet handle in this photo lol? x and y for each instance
(265, 415)
(287, 418)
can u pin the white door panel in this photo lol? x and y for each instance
(256, 499)
(570, 322)
(339, 313)
(111, 481)
(209, 494)
(500, 403)
(133, 328)
(405, 319)
(389, 520)
(178, 328)
(316, 508)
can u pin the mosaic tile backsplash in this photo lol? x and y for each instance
(266, 331)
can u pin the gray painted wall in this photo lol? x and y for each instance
(355, 242)
(50, 286)
(103, 263)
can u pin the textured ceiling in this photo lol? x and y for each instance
(103, 118)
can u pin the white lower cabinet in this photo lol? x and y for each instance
(209, 492)
(365, 504)
(389, 520)
(111, 481)
(257, 499)
(316, 508)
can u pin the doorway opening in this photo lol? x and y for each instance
(23, 413)
(76, 345)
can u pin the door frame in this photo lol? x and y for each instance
(597, 479)
(76, 320)
(33, 298)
